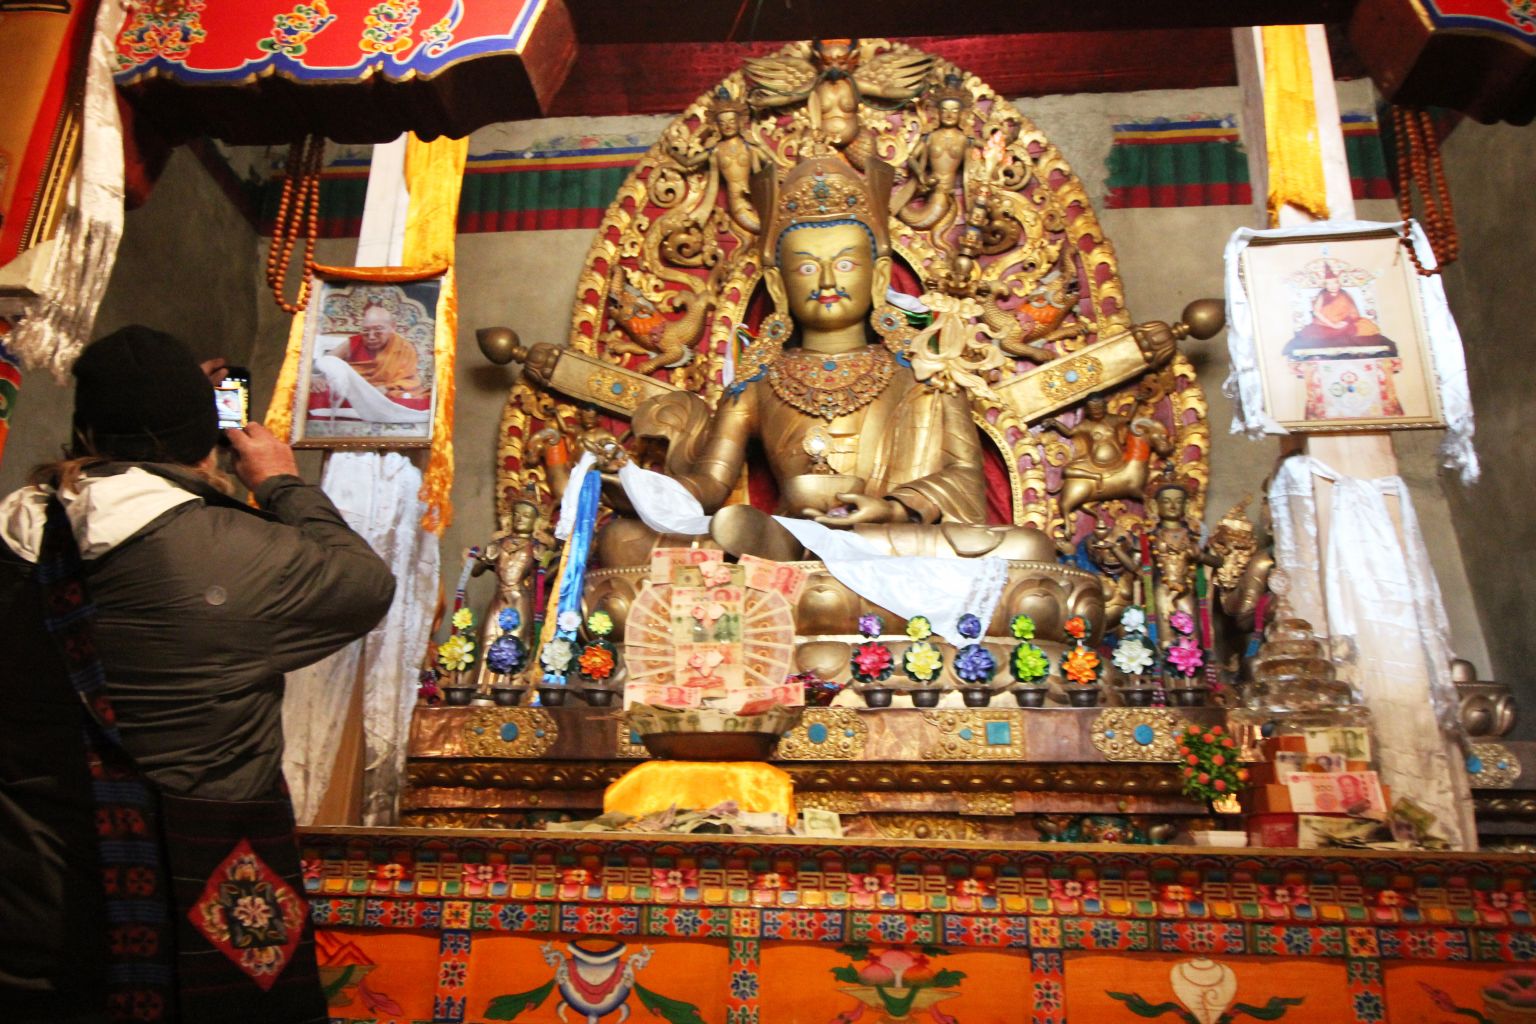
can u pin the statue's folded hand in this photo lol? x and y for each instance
(858, 509)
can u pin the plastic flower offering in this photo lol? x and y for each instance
(1133, 620)
(1132, 656)
(1185, 657)
(1076, 627)
(506, 655)
(456, 653)
(923, 661)
(919, 628)
(568, 622)
(557, 655)
(975, 664)
(463, 619)
(1081, 666)
(1029, 663)
(509, 620)
(599, 624)
(596, 662)
(1211, 766)
(1023, 627)
(969, 626)
(871, 662)
(870, 625)
(1182, 623)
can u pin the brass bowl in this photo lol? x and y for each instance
(818, 491)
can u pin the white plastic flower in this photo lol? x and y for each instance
(570, 622)
(1133, 620)
(557, 654)
(1132, 656)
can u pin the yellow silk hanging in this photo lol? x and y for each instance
(699, 785)
(434, 175)
(1295, 155)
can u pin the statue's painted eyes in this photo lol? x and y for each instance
(845, 265)
(807, 268)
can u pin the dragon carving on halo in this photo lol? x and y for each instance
(989, 225)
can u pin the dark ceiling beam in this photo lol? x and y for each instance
(675, 21)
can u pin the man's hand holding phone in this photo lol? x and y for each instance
(260, 454)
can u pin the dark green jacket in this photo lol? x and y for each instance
(203, 603)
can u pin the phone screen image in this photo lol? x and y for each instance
(232, 399)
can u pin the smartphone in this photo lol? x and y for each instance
(232, 398)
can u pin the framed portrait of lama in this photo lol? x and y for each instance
(1340, 334)
(368, 370)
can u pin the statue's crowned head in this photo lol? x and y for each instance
(826, 239)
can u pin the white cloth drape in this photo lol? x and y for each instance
(377, 493)
(57, 323)
(943, 589)
(371, 404)
(1373, 591)
(1246, 388)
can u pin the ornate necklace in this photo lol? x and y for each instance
(830, 386)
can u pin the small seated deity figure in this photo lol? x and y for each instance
(1112, 454)
(905, 458)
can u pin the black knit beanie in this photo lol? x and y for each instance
(141, 397)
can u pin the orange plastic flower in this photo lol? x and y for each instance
(1082, 666)
(596, 663)
(1077, 628)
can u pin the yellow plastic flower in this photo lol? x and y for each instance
(463, 618)
(923, 661)
(456, 653)
(1081, 666)
(919, 628)
(599, 623)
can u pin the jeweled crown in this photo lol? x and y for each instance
(823, 189)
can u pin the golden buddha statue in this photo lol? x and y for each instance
(903, 455)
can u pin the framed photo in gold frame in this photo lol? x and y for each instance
(368, 373)
(1339, 330)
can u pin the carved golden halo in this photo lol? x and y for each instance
(669, 227)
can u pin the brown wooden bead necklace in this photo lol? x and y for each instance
(298, 215)
(1419, 166)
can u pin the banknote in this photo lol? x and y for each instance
(1336, 792)
(816, 822)
(665, 560)
(763, 574)
(1353, 741)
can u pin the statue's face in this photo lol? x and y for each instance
(1171, 503)
(523, 518)
(727, 122)
(1096, 408)
(949, 113)
(828, 275)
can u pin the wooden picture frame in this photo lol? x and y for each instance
(1340, 333)
(368, 373)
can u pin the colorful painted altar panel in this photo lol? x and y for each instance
(1103, 987)
(429, 66)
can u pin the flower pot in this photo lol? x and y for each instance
(1031, 696)
(877, 696)
(552, 696)
(507, 696)
(1187, 696)
(458, 696)
(1136, 696)
(976, 696)
(598, 698)
(926, 697)
(1083, 696)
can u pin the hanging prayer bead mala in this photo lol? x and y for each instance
(1419, 166)
(298, 213)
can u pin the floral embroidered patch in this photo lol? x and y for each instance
(250, 914)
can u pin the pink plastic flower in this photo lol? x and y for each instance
(1182, 623)
(1185, 657)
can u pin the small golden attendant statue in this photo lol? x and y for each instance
(512, 555)
(1175, 550)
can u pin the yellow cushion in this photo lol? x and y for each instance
(699, 785)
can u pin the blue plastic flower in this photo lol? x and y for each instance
(506, 655)
(970, 626)
(974, 663)
(509, 620)
(870, 625)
